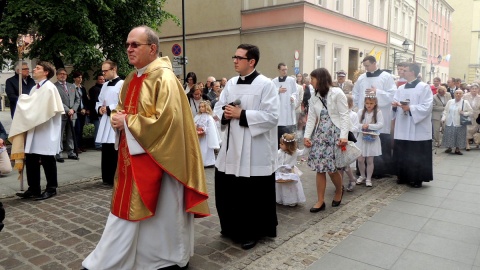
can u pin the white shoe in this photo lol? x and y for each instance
(350, 186)
(360, 180)
(368, 183)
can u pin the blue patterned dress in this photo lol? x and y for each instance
(324, 141)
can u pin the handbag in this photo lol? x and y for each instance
(478, 119)
(351, 137)
(345, 155)
(464, 119)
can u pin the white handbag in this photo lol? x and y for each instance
(344, 156)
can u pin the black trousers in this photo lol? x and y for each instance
(80, 123)
(32, 163)
(109, 162)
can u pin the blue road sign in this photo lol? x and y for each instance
(176, 49)
(297, 70)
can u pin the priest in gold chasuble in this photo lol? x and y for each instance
(160, 182)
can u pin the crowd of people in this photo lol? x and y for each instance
(252, 129)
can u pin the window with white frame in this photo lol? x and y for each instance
(404, 19)
(339, 6)
(370, 11)
(355, 8)
(320, 55)
(381, 14)
(337, 59)
(395, 20)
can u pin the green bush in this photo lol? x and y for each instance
(88, 130)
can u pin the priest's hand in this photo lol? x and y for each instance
(307, 142)
(342, 141)
(118, 120)
(395, 104)
(102, 110)
(232, 112)
(405, 108)
(282, 90)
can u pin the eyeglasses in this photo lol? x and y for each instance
(63, 74)
(25, 69)
(106, 70)
(134, 45)
(238, 58)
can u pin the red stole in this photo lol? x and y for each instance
(139, 172)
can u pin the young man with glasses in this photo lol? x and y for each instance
(71, 101)
(12, 86)
(249, 111)
(107, 102)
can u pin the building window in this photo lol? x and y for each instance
(431, 43)
(337, 59)
(339, 5)
(404, 20)
(395, 20)
(381, 14)
(435, 46)
(370, 11)
(409, 27)
(320, 56)
(355, 7)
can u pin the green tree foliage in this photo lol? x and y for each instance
(78, 32)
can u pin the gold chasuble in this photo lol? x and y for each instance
(160, 119)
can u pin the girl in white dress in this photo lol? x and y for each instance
(207, 133)
(289, 189)
(370, 121)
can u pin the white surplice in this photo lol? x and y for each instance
(416, 125)
(286, 114)
(44, 139)
(386, 89)
(260, 102)
(108, 97)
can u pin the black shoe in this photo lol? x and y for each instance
(60, 159)
(335, 203)
(248, 244)
(28, 194)
(173, 267)
(45, 195)
(458, 152)
(73, 156)
(449, 150)
(315, 210)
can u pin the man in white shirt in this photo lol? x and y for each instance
(381, 84)
(244, 174)
(288, 96)
(107, 101)
(42, 132)
(412, 107)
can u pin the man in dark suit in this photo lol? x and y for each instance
(11, 85)
(93, 93)
(81, 111)
(71, 102)
(343, 83)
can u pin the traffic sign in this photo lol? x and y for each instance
(176, 49)
(297, 70)
(296, 55)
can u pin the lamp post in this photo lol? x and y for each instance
(22, 46)
(405, 46)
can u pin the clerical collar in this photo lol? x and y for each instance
(114, 81)
(244, 77)
(412, 84)
(140, 71)
(376, 73)
(282, 79)
(248, 79)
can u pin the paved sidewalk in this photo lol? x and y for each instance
(434, 227)
(388, 226)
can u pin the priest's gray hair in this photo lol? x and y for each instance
(19, 64)
(152, 37)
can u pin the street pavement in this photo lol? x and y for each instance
(388, 226)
